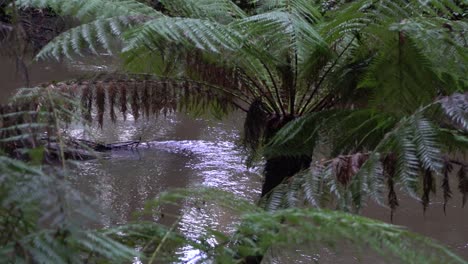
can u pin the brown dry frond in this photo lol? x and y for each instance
(446, 170)
(463, 183)
(144, 96)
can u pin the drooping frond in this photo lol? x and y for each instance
(41, 217)
(34, 119)
(402, 86)
(304, 8)
(282, 32)
(255, 124)
(405, 152)
(104, 21)
(456, 108)
(259, 230)
(310, 226)
(202, 34)
(87, 11)
(139, 96)
(223, 11)
(97, 36)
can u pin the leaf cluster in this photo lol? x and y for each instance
(373, 153)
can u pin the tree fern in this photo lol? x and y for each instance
(288, 58)
(288, 30)
(409, 150)
(367, 61)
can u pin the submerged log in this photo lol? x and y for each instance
(107, 147)
(53, 153)
(81, 149)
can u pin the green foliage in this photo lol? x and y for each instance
(42, 218)
(400, 73)
(45, 220)
(90, 10)
(259, 230)
(104, 22)
(365, 76)
(294, 57)
(96, 36)
(223, 11)
(387, 153)
(190, 32)
(302, 226)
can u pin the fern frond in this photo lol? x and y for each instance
(306, 9)
(407, 73)
(428, 148)
(282, 31)
(456, 108)
(407, 163)
(260, 230)
(447, 60)
(144, 95)
(300, 136)
(103, 245)
(311, 226)
(201, 34)
(199, 196)
(404, 153)
(96, 36)
(94, 9)
(223, 11)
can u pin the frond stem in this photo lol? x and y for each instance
(316, 88)
(278, 97)
(163, 240)
(293, 89)
(262, 92)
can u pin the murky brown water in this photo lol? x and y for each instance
(192, 152)
(11, 76)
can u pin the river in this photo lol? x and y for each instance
(189, 152)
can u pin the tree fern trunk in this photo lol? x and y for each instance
(279, 168)
(261, 125)
(276, 171)
(252, 260)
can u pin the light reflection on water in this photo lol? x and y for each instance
(186, 152)
(179, 152)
